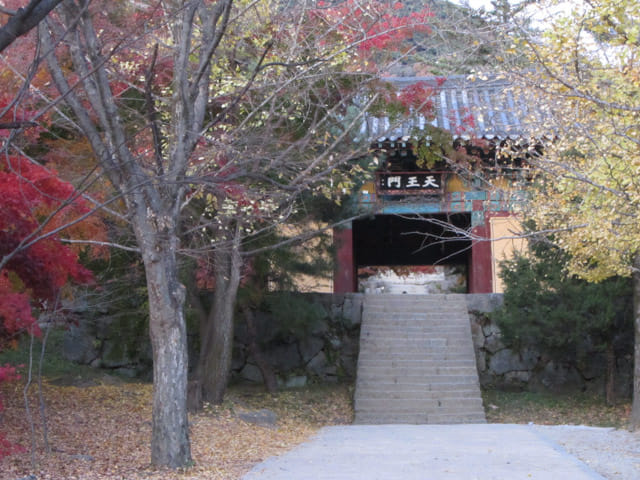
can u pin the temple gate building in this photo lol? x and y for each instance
(439, 225)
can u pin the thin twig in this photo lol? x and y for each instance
(25, 392)
(43, 413)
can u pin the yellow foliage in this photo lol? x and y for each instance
(590, 80)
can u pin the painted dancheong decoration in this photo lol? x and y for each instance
(439, 196)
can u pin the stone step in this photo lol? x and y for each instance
(409, 412)
(437, 340)
(418, 307)
(420, 361)
(409, 301)
(416, 321)
(422, 381)
(432, 368)
(416, 342)
(407, 333)
(418, 408)
(425, 297)
(416, 326)
(431, 406)
(447, 317)
(391, 384)
(381, 339)
(417, 411)
(415, 306)
(410, 391)
(422, 375)
(435, 390)
(413, 396)
(422, 309)
(416, 362)
(413, 370)
(466, 365)
(393, 378)
(394, 352)
(395, 347)
(382, 410)
(380, 347)
(442, 356)
(412, 418)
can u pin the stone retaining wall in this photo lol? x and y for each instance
(328, 351)
(501, 367)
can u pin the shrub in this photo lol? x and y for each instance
(561, 315)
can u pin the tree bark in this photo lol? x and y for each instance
(635, 407)
(24, 20)
(153, 208)
(216, 340)
(610, 388)
(170, 429)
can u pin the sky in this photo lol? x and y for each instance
(538, 15)
(474, 3)
(487, 3)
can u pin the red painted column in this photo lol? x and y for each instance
(480, 270)
(344, 273)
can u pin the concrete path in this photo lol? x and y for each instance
(425, 452)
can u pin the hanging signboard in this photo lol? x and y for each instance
(410, 183)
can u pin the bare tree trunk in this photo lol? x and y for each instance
(24, 20)
(268, 376)
(194, 387)
(610, 389)
(25, 397)
(43, 409)
(216, 341)
(170, 429)
(635, 407)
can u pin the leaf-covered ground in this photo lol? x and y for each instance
(103, 431)
(99, 427)
(574, 408)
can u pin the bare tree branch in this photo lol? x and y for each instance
(24, 19)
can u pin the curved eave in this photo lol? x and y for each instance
(489, 109)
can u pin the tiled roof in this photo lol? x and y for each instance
(497, 110)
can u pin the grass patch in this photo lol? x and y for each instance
(54, 365)
(574, 408)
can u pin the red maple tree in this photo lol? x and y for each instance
(34, 208)
(35, 205)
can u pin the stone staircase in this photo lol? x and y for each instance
(416, 362)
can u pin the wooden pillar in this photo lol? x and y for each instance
(344, 273)
(480, 269)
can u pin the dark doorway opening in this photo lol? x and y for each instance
(413, 241)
